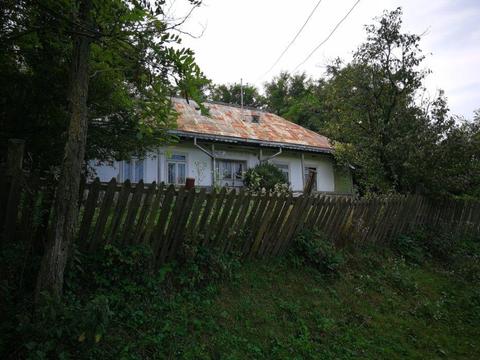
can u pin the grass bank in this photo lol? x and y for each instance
(400, 303)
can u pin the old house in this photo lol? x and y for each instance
(219, 148)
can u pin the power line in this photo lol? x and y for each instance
(293, 40)
(328, 37)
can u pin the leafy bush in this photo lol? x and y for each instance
(265, 177)
(200, 265)
(458, 252)
(312, 249)
(410, 248)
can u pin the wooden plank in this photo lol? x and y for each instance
(121, 204)
(251, 220)
(344, 215)
(337, 217)
(214, 217)
(88, 213)
(178, 235)
(174, 218)
(307, 212)
(144, 212)
(330, 218)
(129, 224)
(226, 232)
(272, 226)
(227, 210)
(324, 218)
(259, 243)
(375, 213)
(163, 217)
(279, 227)
(195, 215)
(153, 214)
(237, 225)
(340, 238)
(383, 222)
(295, 220)
(105, 209)
(206, 213)
(317, 207)
(392, 219)
(322, 211)
(258, 217)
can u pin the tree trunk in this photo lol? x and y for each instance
(50, 276)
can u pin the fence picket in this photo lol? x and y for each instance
(133, 207)
(103, 215)
(257, 225)
(88, 212)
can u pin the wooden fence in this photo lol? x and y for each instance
(260, 226)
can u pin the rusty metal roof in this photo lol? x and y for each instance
(230, 122)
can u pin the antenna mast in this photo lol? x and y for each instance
(241, 94)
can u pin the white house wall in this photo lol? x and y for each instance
(199, 164)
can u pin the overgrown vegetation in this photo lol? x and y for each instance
(266, 177)
(421, 299)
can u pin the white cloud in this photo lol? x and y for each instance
(243, 39)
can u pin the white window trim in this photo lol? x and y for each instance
(132, 165)
(174, 152)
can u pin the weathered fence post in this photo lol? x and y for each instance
(16, 148)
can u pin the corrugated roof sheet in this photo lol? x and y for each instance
(230, 121)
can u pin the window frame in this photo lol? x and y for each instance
(132, 171)
(169, 160)
(234, 180)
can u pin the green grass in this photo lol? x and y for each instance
(373, 306)
(275, 312)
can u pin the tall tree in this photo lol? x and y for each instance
(298, 99)
(125, 53)
(231, 94)
(375, 113)
(129, 84)
(50, 276)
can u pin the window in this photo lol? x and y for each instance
(284, 169)
(176, 169)
(230, 172)
(255, 119)
(133, 170)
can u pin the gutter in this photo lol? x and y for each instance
(262, 143)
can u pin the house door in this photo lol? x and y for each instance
(309, 169)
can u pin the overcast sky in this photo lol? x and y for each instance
(243, 38)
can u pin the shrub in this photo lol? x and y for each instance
(265, 177)
(311, 248)
(409, 247)
(202, 265)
